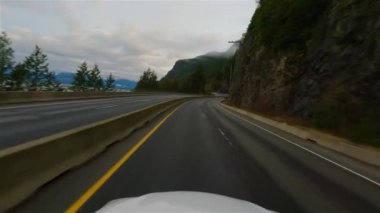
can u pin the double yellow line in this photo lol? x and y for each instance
(100, 182)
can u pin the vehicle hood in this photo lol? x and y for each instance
(181, 202)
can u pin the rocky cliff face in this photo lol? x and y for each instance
(316, 60)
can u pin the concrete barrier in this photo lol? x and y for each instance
(25, 97)
(26, 167)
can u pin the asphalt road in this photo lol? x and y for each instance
(204, 147)
(23, 123)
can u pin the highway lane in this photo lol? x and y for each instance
(22, 123)
(204, 147)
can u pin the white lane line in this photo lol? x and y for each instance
(306, 149)
(225, 137)
(221, 132)
(2, 114)
(56, 112)
(53, 104)
(106, 107)
(17, 118)
(77, 109)
(74, 102)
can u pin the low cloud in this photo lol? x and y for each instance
(125, 51)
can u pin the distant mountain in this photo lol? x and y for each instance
(125, 84)
(212, 63)
(67, 78)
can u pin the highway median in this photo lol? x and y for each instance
(27, 167)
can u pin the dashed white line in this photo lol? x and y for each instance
(221, 132)
(56, 112)
(62, 102)
(225, 137)
(106, 107)
(306, 149)
(17, 118)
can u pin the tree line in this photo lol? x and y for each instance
(196, 82)
(33, 73)
(87, 79)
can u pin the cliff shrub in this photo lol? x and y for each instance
(366, 131)
(285, 25)
(344, 114)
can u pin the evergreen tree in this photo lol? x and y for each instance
(81, 78)
(95, 81)
(52, 84)
(196, 82)
(6, 56)
(110, 82)
(172, 85)
(148, 81)
(99, 85)
(37, 69)
(18, 77)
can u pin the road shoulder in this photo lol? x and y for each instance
(365, 154)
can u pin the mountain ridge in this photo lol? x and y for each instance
(211, 61)
(202, 74)
(66, 78)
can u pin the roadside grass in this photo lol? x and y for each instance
(342, 114)
(328, 117)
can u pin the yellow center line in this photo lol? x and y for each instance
(100, 182)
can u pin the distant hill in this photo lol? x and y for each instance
(212, 63)
(67, 78)
(125, 84)
(203, 74)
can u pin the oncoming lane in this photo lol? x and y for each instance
(23, 123)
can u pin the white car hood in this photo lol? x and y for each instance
(180, 202)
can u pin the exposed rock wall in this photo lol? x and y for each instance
(329, 74)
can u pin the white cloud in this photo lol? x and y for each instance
(125, 52)
(124, 38)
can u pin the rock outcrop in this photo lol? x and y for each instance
(315, 60)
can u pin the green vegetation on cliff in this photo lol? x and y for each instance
(202, 74)
(318, 61)
(285, 25)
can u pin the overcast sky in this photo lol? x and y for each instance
(123, 37)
